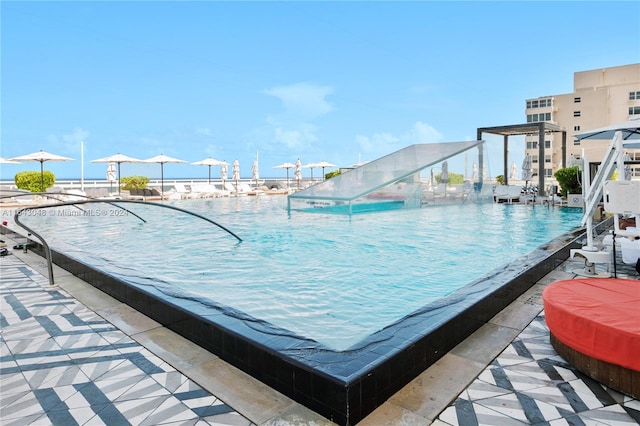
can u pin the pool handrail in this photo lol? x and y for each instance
(168, 206)
(45, 245)
(89, 200)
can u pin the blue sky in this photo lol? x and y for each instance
(320, 81)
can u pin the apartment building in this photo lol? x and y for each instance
(600, 97)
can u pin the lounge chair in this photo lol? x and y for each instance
(145, 194)
(182, 192)
(507, 193)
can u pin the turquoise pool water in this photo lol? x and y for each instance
(333, 279)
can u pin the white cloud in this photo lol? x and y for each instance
(422, 133)
(295, 138)
(203, 131)
(377, 144)
(303, 99)
(72, 140)
(211, 151)
(380, 144)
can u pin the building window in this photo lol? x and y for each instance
(539, 103)
(577, 100)
(634, 95)
(576, 142)
(547, 159)
(534, 118)
(576, 113)
(634, 110)
(547, 144)
(576, 128)
(532, 145)
(548, 173)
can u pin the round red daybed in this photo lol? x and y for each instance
(594, 325)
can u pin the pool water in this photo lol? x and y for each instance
(332, 279)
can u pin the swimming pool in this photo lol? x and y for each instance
(362, 293)
(330, 279)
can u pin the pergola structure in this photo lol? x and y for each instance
(541, 128)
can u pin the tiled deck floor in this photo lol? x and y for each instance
(63, 363)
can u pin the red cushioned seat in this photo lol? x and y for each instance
(598, 317)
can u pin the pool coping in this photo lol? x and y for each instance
(346, 400)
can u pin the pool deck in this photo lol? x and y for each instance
(71, 354)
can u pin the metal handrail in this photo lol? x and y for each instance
(45, 245)
(47, 249)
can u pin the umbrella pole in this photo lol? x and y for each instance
(118, 179)
(162, 181)
(42, 176)
(209, 174)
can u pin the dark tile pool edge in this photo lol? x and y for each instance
(344, 401)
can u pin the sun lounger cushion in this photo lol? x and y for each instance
(598, 317)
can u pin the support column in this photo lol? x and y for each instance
(541, 159)
(505, 156)
(564, 149)
(480, 158)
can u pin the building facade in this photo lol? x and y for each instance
(600, 97)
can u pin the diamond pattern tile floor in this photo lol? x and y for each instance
(528, 383)
(62, 364)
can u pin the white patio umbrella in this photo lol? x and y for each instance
(41, 156)
(630, 131)
(297, 175)
(286, 166)
(118, 159)
(514, 171)
(111, 174)
(255, 172)
(208, 162)
(223, 171)
(527, 172)
(235, 173)
(7, 161)
(311, 166)
(163, 159)
(444, 174)
(235, 170)
(323, 165)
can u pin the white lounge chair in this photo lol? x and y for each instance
(507, 193)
